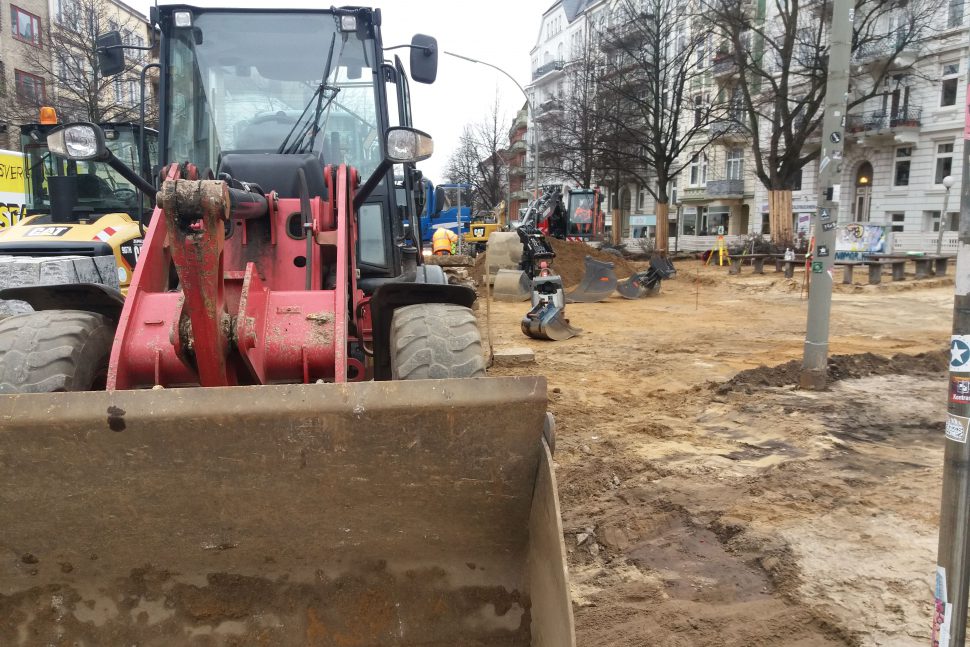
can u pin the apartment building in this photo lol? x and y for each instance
(900, 145)
(42, 62)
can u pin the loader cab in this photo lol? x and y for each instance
(262, 93)
(60, 190)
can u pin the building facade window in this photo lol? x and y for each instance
(698, 169)
(689, 220)
(796, 184)
(955, 16)
(898, 221)
(735, 164)
(25, 26)
(949, 83)
(931, 221)
(30, 87)
(944, 162)
(903, 160)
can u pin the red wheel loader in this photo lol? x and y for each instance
(297, 444)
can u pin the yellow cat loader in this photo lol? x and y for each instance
(81, 211)
(296, 443)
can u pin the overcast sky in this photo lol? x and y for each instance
(501, 32)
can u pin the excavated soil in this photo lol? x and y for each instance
(709, 502)
(570, 262)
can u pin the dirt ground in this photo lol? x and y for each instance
(704, 505)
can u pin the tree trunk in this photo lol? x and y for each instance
(780, 217)
(617, 231)
(663, 233)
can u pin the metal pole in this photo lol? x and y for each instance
(947, 182)
(952, 572)
(815, 363)
(528, 102)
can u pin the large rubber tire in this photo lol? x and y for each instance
(54, 350)
(433, 341)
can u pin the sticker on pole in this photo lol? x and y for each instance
(959, 389)
(960, 353)
(943, 611)
(817, 267)
(822, 251)
(956, 427)
(824, 214)
(828, 226)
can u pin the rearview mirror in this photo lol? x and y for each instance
(424, 58)
(111, 54)
(78, 142)
(407, 145)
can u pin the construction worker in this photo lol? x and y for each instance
(444, 242)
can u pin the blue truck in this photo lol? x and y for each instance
(442, 208)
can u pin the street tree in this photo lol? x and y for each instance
(63, 65)
(573, 125)
(480, 158)
(780, 59)
(655, 97)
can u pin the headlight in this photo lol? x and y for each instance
(77, 142)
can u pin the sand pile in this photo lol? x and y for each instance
(570, 261)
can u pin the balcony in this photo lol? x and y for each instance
(728, 131)
(891, 50)
(551, 66)
(715, 190)
(549, 108)
(724, 67)
(519, 146)
(517, 171)
(725, 189)
(522, 195)
(880, 126)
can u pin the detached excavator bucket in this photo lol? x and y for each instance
(639, 285)
(503, 251)
(631, 288)
(512, 285)
(374, 514)
(598, 282)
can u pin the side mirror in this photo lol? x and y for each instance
(407, 145)
(111, 54)
(79, 142)
(424, 58)
(439, 200)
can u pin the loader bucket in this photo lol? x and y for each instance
(548, 321)
(512, 285)
(375, 514)
(598, 282)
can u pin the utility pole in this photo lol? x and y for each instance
(953, 556)
(814, 373)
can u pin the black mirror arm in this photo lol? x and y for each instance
(368, 187)
(141, 183)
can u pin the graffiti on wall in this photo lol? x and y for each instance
(855, 240)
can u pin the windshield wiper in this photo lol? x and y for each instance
(319, 95)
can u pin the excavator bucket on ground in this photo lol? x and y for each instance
(638, 286)
(598, 282)
(504, 251)
(373, 514)
(647, 283)
(547, 319)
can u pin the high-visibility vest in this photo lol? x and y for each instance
(442, 240)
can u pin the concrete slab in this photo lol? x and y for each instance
(514, 356)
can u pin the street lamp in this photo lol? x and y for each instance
(532, 111)
(947, 184)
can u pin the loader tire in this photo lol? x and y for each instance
(431, 341)
(54, 350)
